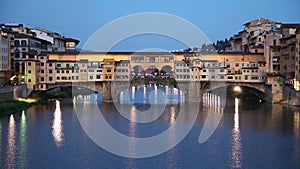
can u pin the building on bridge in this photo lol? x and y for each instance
(54, 68)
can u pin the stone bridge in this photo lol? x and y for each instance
(111, 90)
(271, 92)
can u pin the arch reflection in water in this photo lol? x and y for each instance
(88, 99)
(213, 105)
(236, 150)
(151, 94)
(11, 149)
(57, 126)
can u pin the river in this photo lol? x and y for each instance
(250, 134)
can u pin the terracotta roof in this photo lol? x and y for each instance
(260, 21)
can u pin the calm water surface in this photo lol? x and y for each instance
(250, 135)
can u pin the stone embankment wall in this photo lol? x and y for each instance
(13, 92)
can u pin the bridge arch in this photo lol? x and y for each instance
(152, 70)
(137, 69)
(166, 69)
(94, 86)
(257, 90)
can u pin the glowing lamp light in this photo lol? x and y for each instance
(12, 78)
(237, 89)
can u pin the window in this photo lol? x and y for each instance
(42, 79)
(42, 71)
(137, 59)
(50, 78)
(57, 78)
(67, 65)
(108, 70)
(29, 71)
(17, 43)
(58, 65)
(98, 77)
(70, 44)
(50, 64)
(42, 63)
(29, 80)
(50, 71)
(67, 71)
(57, 71)
(23, 43)
(29, 63)
(274, 42)
(91, 77)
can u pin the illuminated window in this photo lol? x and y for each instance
(70, 44)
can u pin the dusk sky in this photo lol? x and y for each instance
(80, 19)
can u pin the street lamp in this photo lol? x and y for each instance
(237, 89)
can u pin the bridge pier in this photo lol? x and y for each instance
(274, 89)
(192, 91)
(106, 92)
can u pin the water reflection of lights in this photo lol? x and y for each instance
(213, 105)
(297, 124)
(132, 92)
(173, 154)
(23, 140)
(57, 127)
(172, 115)
(132, 130)
(236, 139)
(213, 102)
(10, 159)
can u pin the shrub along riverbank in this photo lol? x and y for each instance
(14, 106)
(8, 107)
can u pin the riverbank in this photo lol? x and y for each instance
(8, 107)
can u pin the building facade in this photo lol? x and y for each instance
(58, 68)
